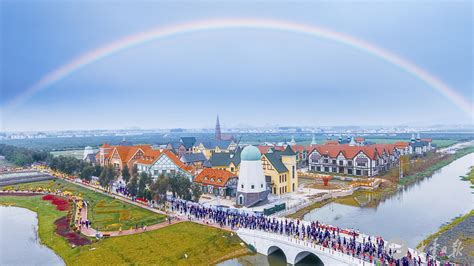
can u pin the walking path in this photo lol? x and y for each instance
(89, 231)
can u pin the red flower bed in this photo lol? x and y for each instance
(61, 203)
(62, 229)
(48, 197)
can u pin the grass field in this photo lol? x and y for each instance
(105, 213)
(167, 246)
(75, 153)
(440, 143)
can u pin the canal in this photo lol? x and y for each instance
(19, 241)
(410, 214)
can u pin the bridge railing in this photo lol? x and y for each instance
(306, 245)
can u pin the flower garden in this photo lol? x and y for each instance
(105, 212)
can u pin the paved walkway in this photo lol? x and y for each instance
(176, 217)
(89, 231)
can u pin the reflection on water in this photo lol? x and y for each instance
(19, 242)
(412, 213)
(277, 258)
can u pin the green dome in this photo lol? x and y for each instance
(250, 153)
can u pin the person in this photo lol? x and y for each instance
(120, 230)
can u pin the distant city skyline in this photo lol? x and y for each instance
(248, 76)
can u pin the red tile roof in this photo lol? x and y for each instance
(401, 144)
(349, 152)
(215, 177)
(150, 157)
(298, 148)
(332, 142)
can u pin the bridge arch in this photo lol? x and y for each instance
(275, 249)
(305, 254)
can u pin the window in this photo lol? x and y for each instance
(366, 173)
(349, 163)
(341, 162)
(349, 171)
(293, 172)
(334, 169)
(333, 161)
(318, 169)
(326, 160)
(261, 185)
(326, 169)
(232, 169)
(242, 186)
(358, 172)
(252, 187)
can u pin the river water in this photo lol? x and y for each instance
(411, 214)
(19, 240)
(414, 212)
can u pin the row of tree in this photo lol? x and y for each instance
(139, 185)
(144, 186)
(23, 156)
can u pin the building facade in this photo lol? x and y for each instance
(217, 182)
(280, 167)
(353, 160)
(163, 162)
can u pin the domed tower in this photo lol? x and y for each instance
(87, 150)
(251, 187)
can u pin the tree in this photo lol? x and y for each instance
(87, 173)
(135, 170)
(143, 182)
(132, 186)
(196, 192)
(174, 185)
(159, 188)
(107, 176)
(126, 174)
(181, 186)
(97, 170)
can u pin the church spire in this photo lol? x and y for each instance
(218, 135)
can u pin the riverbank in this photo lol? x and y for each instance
(370, 199)
(432, 168)
(459, 229)
(167, 246)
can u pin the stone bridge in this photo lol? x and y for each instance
(295, 250)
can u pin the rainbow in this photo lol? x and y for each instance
(264, 24)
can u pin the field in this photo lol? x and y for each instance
(167, 246)
(75, 153)
(105, 213)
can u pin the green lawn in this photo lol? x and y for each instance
(105, 213)
(78, 154)
(167, 246)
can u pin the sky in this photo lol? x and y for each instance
(248, 76)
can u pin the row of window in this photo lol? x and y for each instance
(252, 186)
(340, 170)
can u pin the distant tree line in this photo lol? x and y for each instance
(23, 156)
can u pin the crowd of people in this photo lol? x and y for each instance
(347, 242)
